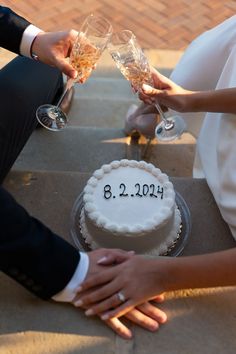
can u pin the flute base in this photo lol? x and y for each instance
(51, 117)
(171, 130)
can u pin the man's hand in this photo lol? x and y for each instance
(146, 316)
(53, 48)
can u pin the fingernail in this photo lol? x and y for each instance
(77, 290)
(131, 252)
(147, 88)
(74, 74)
(89, 312)
(78, 303)
(101, 260)
(105, 317)
(154, 327)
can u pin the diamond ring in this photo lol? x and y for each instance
(121, 296)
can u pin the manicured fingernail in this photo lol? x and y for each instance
(101, 260)
(154, 327)
(89, 312)
(147, 88)
(78, 303)
(105, 317)
(74, 74)
(131, 252)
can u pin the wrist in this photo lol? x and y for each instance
(35, 46)
(169, 275)
(198, 101)
(164, 274)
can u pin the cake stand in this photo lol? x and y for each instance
(174, 249)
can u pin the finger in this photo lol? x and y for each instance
(142, 96)
(119, 310)
(115, 258)
(149, 90)
(142, 320)
(134, 89)
(159, 298)
(146, 99)
(104, 305)
(158, 78)
(119, 328)
(63, 65)
(153, 312)
(95, 280)
(98, 295)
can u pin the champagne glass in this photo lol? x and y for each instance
(91, 41)
(134, 65)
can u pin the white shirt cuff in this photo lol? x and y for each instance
(27, 39)
(68, 293)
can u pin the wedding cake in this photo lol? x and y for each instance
(130, 205)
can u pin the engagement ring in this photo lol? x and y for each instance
(121, 296)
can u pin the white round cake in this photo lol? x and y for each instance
(130, 205)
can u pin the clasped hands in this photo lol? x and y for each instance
(115, 287)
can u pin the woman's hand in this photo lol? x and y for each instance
(167, 94)
(53, 48)
(145, 315)
(121, 287)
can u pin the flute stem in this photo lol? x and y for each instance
(169, 124)
(69, 84)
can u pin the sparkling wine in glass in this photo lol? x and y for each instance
(133, 64)
(91, 41)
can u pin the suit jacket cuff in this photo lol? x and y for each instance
(28, 38)
(69, 292)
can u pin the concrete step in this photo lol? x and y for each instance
(99, 112)
(28, 322)
(105, 97)
(102, 102)
(78, 149)
(109, 88)
(84, 149)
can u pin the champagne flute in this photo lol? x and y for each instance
(91, 41)
(133, 64)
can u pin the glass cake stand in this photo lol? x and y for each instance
(174, 250)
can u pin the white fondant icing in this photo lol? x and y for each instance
(159, 249)
(131, 205)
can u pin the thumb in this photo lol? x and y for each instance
(66, 68)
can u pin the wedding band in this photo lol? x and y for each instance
(121, 296)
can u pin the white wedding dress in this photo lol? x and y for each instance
(210, 63)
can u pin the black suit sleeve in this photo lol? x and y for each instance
(29, 252)
(12, 27)
(32, 254)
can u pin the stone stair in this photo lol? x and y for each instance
(46, 179)
(95, 132)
